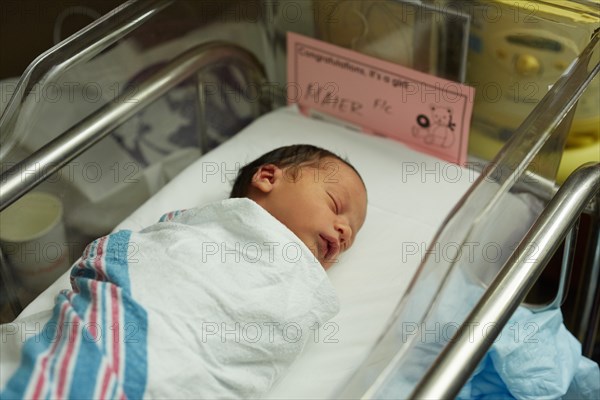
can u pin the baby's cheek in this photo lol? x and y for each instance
(312, 246)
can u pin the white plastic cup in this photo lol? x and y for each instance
(33, 239)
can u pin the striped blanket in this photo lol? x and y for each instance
(211, 302)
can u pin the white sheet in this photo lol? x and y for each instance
(409, 196)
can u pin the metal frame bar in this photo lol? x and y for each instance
(70, 144)
(457, 361)
(460, 357)
(565, 273)
(589, 320)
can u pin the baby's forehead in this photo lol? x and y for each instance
(351, 173)
(339, 162)
(351, 186)
(336, 172)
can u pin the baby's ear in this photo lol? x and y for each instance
(265, 177)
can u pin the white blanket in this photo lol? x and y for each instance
(214, 302)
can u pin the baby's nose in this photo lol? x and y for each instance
(345, 234)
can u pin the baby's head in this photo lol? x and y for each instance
(316, 194)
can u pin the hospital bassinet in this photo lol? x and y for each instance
(154, 85)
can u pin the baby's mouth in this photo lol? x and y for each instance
(329, 247)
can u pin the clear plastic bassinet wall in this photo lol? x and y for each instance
(92, 73)
(530, 62)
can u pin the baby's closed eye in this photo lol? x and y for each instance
(334, 204)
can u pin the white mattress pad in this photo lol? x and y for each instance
(410, 194)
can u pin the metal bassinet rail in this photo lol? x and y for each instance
(92, 129)
(544, 129)
(460, 357)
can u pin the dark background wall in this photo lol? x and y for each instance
(26, 28)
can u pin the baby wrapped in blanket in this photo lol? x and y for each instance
(213, 302)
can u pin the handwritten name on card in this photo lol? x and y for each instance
(428, 113)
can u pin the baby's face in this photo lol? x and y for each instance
(325, 206)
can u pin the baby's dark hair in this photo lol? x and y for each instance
(296, 155)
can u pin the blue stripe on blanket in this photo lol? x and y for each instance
(95, 344)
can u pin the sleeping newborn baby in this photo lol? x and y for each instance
(211, 302)
(316, 194)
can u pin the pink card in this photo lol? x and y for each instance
(428, 113)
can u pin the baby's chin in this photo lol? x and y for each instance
(326, 264)
(314, 249)
(315, 252)
(313, 246)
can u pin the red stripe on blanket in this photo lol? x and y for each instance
(68, 357)
(105, 382)
(42, 372)
(93, 328)
(98, 262)
(117, 324)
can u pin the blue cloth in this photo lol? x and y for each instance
(534, 357)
